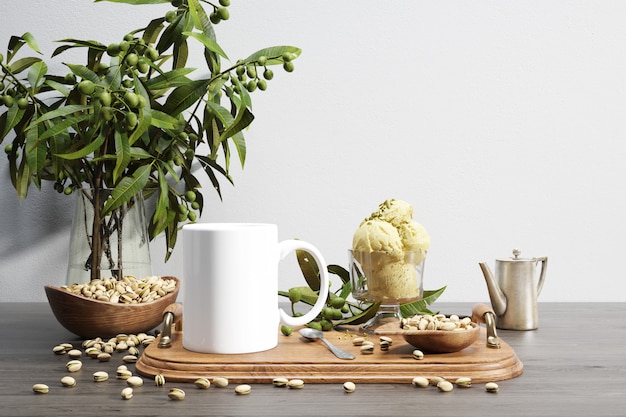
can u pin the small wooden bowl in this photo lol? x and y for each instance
(90, 318)
(434, 341)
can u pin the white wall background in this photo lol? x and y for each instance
(501, 122)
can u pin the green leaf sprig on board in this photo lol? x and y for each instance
(133, 117)
(339, 309)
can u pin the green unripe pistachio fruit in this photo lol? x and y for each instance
(177, 3)
(295, 295)
(190, 196)
(268, 74)
(107, 113)
(143, 66)
(170, 16)
(262, 84)
(223, 13)
(345, 309)
(286, 330)
(288, 66)
(8, 100)
(214, 18)
(190, 153)
(124, 46)
(195, 205)
(131, 99)
(337, 302)
(251, 85)
(22, 103)
(192, 216)
(287, 57)
(142, 101)
(182, 208)
(132, 59)
(240, 70)
(114, 49)
(1, 58)
(326, 325)
(315, 325)
(262, 60)
(67, 190)
(225, 3)
(152, 54)
(131, 120)
(8, 148)
(251, 71)
(86, 87)
(105, 98)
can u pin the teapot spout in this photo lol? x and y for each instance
(498, 299)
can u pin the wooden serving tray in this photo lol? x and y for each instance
(314, 363)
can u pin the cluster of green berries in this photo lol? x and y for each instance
(10, 96)
(188, 206)
(248, 74)
(335, 309)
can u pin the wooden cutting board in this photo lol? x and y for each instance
(314, 363)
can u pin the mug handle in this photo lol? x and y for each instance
(287, 246)
(542, 275)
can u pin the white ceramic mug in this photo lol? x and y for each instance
(230, 287)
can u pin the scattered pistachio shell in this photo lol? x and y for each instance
(420, 381)
(134, 381)
(104, 357)
(445, 386)
(436, 380)
(295, 384)
(202, 383)
(127, 393)
(68, 381)
(123, 374)
(358, 341)
(130, 358)
(40, 389)
(491, 387)
(418, 354)
(220, 382)
(159, 380)
(243, 389)
(280, 382)
(176, 394)
(59, 350)
(74, 365)
(74, 353)
(463, 382)
(386, 339)
(100, 376)
(367, 349)
(384, 345)
(349, 386)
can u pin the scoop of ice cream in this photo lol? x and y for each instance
(394, 211)
(414, 236)
(377, 235)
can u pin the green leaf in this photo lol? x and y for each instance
(35, 152)
(420, 306)
(122, 152)
(272, 53)
(22, 64)
(36, 75)
(163, 120)
(242, 120)
(185, 96)
(200, 19)
(145, 120)
(137, 2)
(362, 317)
(181, 53)
(309, 268)
(13, 117)
(84, 73)
(87, 150)
(169, 79)
(308, 295)
(127, 188)
(208, 43)
(62, 112)
(341, 272)
(62, 126)
(30, 40)
(61, 88)
(160, 212)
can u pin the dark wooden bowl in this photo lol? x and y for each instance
(90, 318)
(434, 341)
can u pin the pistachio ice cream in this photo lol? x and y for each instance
(390, 247)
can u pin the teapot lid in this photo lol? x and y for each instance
(516, 257)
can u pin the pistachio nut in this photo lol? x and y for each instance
(123, 374)
(59, 350)
(295, 384)
(104, 357)
(74, 353)
(445, 386)
(386, 339)
(463, 382)
(159, 380)
(40, 389)
(121, 346)
(367, 349)
(68, 381)
(122, 367)
(358, 341)
(132, 350)
(243, 389)
(418, 354)
(420, 381)
(349, 386)
(202, 383)
(280, 382)
(436, 380)
(92, 352)
(127, 393)
(134, 381)
(220, 382)
(67, 346)
(130, 358)
(176, 394)
(74, 365)
(100, 376)
(491, 387)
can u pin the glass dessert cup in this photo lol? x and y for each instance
(390, 279)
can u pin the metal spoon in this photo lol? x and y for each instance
(312, 334)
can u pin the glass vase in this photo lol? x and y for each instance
(390, 279)
(112, 245)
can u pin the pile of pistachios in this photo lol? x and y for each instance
(128, 290)
(436, 322)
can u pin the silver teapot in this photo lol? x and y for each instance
(514, 290)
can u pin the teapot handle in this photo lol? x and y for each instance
(542, 274)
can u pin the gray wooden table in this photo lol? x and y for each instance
(574, 365)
